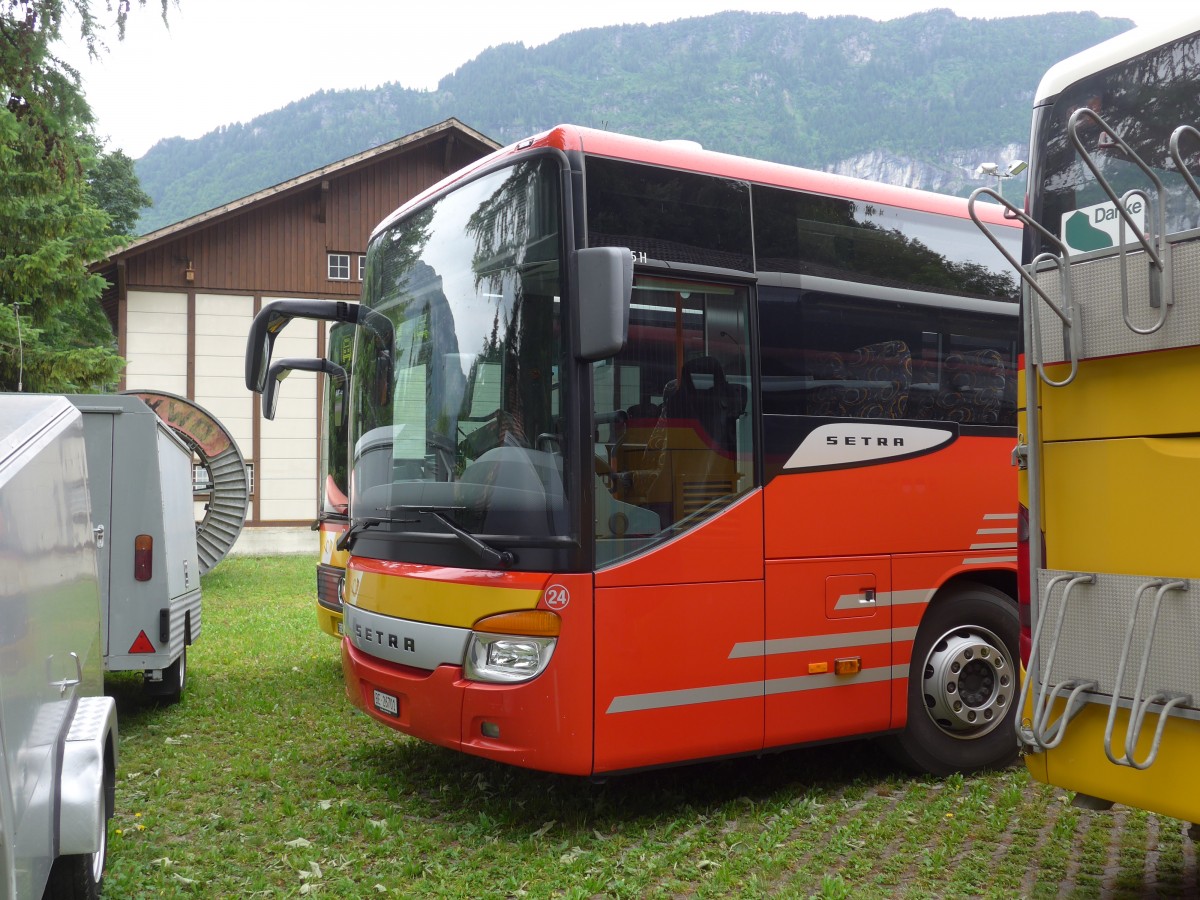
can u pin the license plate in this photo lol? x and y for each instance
(386, 703)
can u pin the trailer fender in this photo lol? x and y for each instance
(88, 770)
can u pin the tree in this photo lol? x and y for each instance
(115, 188)
(53, 333)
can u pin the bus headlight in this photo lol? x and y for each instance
(511, 647)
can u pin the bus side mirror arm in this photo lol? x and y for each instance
(282, 368)
(603, 287)
(272, 318)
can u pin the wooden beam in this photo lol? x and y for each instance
(322, 201)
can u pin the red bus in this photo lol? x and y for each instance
(661, 455)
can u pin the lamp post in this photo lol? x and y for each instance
(990, 169)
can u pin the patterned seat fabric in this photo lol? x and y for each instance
(973, 390)
(878, 378)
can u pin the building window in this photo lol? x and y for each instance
(362, 267)
(339, 266)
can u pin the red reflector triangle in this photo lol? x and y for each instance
(142, 644)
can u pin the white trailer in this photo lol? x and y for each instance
(140, 478)
(58, 733)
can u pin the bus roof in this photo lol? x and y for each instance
(691, 157)
(1111, 52)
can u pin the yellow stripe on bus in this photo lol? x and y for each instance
(1120, 396)
(436, 602)
(1123, 506)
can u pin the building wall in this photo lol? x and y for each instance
(218, 363)
(156, 342)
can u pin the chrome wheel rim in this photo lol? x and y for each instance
(968, 682)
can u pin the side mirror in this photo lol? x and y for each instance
(272, 318)
(604, 288)
(284, 367)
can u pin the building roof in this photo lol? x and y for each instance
(451, 130)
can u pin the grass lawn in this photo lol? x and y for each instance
(265, 782)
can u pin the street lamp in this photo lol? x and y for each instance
(993, 170)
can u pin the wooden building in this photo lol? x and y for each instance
(181, 300)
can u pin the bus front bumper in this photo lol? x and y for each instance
(531, 725)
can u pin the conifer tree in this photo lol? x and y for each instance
(53, 333)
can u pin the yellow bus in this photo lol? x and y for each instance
(1109, 445)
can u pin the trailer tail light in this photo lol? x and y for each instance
(143, 557)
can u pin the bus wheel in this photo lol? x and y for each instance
(963, 685)
(174, 677)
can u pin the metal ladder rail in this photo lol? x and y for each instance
(1177, 156)
(1162, 296)
(1138, 710)
(1068, 313)
(1043, 733)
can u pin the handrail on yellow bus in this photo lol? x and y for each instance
(1067, 313)
(1137, 713)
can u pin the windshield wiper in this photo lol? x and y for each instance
(502, 559)
(358, 526)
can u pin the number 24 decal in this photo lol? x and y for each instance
(557, 596)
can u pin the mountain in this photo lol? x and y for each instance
(919, 101)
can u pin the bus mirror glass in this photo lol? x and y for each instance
(603, 286)
(284, 367)
(270, 394)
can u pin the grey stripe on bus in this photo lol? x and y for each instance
(846, 640)
(749, 689)
(886, 598)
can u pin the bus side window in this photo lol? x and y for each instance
(836, 355)
(833, 355)
(870, 382)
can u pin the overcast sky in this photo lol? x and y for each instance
(227, 61)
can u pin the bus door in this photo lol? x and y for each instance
(836, 384)
(678, 532)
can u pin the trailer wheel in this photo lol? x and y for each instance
(80, 876)
(174, 678)
(963, 685)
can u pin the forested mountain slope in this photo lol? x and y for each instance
(919, 101)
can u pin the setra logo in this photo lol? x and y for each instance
(839, 445)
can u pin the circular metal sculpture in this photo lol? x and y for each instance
(226, 484)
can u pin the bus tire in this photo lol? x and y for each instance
(963, 685)
(174, 678)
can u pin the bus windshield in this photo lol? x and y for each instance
(1143, 101)
(457, 422)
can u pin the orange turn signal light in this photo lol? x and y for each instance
(849, 666)
(528, 622)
